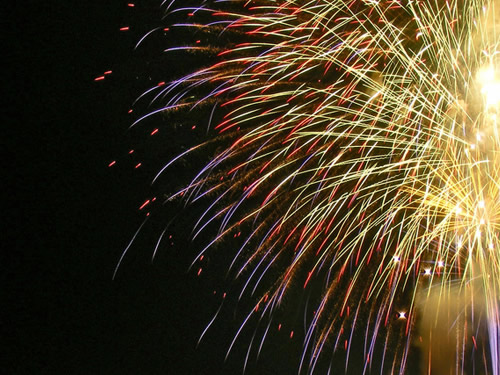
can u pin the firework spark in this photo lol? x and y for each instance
(359, 151)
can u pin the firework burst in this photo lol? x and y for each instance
(359, 151)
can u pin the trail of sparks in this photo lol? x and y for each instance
(361, 146)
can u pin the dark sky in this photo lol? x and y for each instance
(72, 215)
(69, 216)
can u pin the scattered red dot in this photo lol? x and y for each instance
(108, 72)
(126, 28)
(154, 132)
(144, 204)
(166, 29)
(112, 163)
(161, 83)
(193, 127)
(99, 78)
(138, 165)
(199, 272)
(131, 152)
(131, 5)
(291, 334)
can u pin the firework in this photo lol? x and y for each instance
(358, 156)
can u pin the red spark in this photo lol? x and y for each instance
(144, 204)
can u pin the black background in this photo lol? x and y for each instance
(68, 216)
(72, 215)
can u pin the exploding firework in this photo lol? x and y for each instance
(357, 154)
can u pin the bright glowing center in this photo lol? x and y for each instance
(490, 87)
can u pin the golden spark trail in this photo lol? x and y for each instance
(359, 146)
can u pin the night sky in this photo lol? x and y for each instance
(69, 217)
